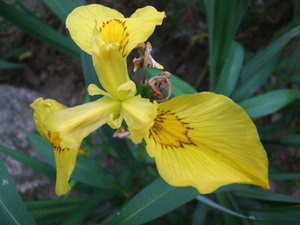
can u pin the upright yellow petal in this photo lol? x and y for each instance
(65, 129)
(81, 23)
(139, 114)
(205, 140)
(141, 25)
(110, 66)
(112, 25)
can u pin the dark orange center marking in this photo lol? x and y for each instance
(170, 131)
(55, 141)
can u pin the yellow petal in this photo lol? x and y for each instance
(42, 109)
(81, 23)
(77, 122)
(110, 67)
(205, 140)
(65, 129)
(95, 90)
(139, 114)
(127, 32)
(141, 25)
(65, 161)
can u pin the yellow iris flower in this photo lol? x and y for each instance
(108, 37)
(203, 140)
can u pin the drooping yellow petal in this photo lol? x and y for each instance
(128, 32)
(65, 129)
(65, 161)
(81, 23)
(139, 114)
(205, 140)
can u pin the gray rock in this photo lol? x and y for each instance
(15, 121)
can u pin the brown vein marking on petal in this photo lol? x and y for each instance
(115, 31)
(170, 131)
(55, 141)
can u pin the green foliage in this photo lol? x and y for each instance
(12, 209)
(38, 29)
(157, 199)
(9, 65)
(134, 193)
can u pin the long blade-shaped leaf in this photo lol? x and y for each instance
(35, 164)
(231, 70)
(223, 19)
(249, 87)
(9, 65)
(268, 103)
(39, 30)
(264, 57)
(49, 207)
(155, 200)
(215, 205)
(266, 196)
(12, 209)
(60, 8)
(79, 215)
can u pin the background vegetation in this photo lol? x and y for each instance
(247, 50)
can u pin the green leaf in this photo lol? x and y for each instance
(217, 206)
(224, 30)
(291, 140)
(224, 200)
(9, 65)
(268, 103)
(89, 172)
(81, 213)
(210, 16)
(60, 8)
(265, 196)
(38, 29)
(277, 216)
(231, 70)
(155, 200)
(264, 57)
(35, 164)
(285, 176)
(223, 19)
(12, 209)
(89, 72)
(43, 146)
(51, 207)
(200, 214)
(253, 83)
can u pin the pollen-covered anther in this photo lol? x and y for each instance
(173, 134)
(158, 84)
(121, 133)
(115, 31)
(145, 59)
